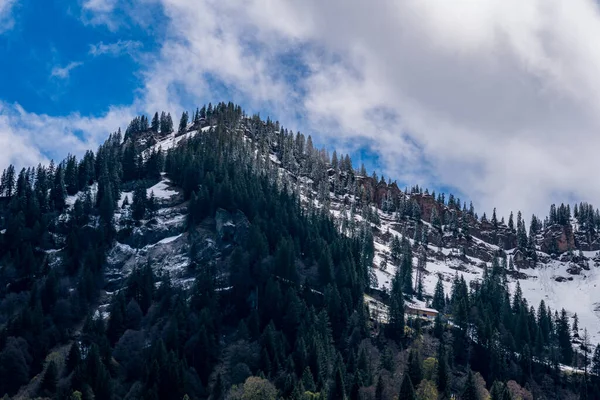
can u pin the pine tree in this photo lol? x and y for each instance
(442, 379)
(395, 327)
(183, 122)
(407, 390)
(596, 361)
(58, 193)
(439, 298)
(496, 390)
(155, 123)
(470, 389)
(415, 371)
(379, 389)
(50, 378)
(337, 389)
(564, 338)
(139, 203)
(73, 358)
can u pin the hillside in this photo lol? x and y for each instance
(233, 252)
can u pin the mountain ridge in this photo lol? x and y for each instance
(177, 237)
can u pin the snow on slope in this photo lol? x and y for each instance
(579, 295)
(173, 139)
(70, 200)
(576, 293)
(161, 189)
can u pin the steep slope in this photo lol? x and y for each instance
(458, 243)
(198, 261)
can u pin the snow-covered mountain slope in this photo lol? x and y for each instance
(571, 281)
(567, 281)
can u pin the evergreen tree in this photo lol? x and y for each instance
(407, 390)
(564, 338)
(442, 378)
(73, 358)
(395, 327)
(155, 126)
(470, 389)
(183, 122)
(379, 389)
(337, 389)
(50, 378)
(595, 370)
(58, 193)
(415, 371)
(139, 203)
(439, 298)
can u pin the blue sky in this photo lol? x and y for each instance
(67, 63)
(495, 100)
(49, 36)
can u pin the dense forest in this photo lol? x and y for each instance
(280, 314)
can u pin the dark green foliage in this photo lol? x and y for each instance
(14, 365)
(442, 378)
(139, 203)
(183, 122)
(166, 123)
(155, 125)
(395, 327)
(470, 390)
(337, 389)
(73, 358)
(284, 298)
(439, 298)
(49, 379)
(415, 370)
(407, 390)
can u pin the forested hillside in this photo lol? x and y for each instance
(229, 259)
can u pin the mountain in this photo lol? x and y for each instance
(230, 258)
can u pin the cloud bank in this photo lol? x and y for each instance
(498, 99)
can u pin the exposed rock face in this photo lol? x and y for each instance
(427, 203)
(501, 236)
(231, 227)
(166, 223)
(574, 269)
(171, 254)
(558, 239)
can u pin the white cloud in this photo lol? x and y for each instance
(115, 49)
(64, 72)
(6, 15)
(27, 138)
(498, 98)
(99, 12)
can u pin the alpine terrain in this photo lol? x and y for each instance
(226, 257)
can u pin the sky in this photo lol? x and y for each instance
(497, 101)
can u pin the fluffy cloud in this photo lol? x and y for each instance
(496, 98)
(490, 97)
(28, 138)
(6, 17)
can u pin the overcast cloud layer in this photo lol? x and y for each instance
(499, 99)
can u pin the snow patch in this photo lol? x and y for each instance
(169, 239)
(161, 190)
